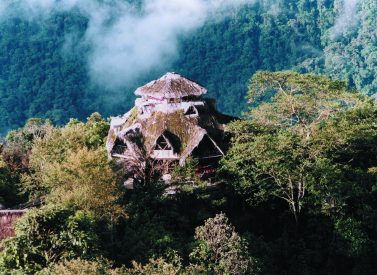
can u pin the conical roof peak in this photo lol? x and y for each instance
(171, 85)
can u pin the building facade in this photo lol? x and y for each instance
(170, 122)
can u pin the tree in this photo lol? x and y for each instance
(86, 181)
(80, 267)
(185, 178)
(8, 186)
(172, 266)
(274, 153)
(221, 250)
(53, 148)
(298, 102)
(48, 235)
(18, 143)
(138, 166)
(346, 181)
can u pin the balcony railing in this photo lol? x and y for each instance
(164, 154)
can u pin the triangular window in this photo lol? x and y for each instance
(207, 149)
(191, 111)
(168, 142)
(119, 147)
(162, 143)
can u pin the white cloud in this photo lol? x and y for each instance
(347, 19)
(125, 42)
(134, 44)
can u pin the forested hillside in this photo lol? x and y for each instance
(296, 193)
(42, 76)
(308, 36)
(292, 189)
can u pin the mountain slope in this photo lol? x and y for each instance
(40, 76)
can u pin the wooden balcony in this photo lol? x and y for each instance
(164, 154)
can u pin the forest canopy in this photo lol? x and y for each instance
(295, 193)
(43, 75)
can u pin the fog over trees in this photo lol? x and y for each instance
(63, 60)
(295, 188)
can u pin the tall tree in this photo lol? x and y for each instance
(273, 152)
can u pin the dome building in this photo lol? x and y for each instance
(170, 122)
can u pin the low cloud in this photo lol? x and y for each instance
(133, 44)
(124, 42)
(347, 19)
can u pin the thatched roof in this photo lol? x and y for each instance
(190, 131)
(171, 85)
(200, 134)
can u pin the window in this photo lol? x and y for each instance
(163, 144)
(206, 149)
(119, 147)
(168, 141)
(191, 111)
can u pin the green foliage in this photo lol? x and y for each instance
(324, 165)
(55, 147)
(344, 54)
(353, 236)
(147, 232)
(267, 35)
(86, 181)
(309, 141)
(18, 143)
(31, 83)
(274, 154)
(171, 266)
(48, 235)
(300, 101)
(14, 158)
(185, 179)
(159, 223)
(221, 250)
(96, 131)
(8, 186)
(80, 266)
(69, 170)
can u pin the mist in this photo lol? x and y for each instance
(347, 19)
(125, 42)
